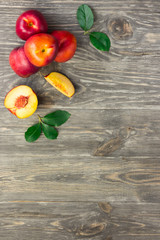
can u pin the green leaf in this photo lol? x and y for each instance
(85, 17)
(100, 41)
(33, 133)
(56, 118)
(49, 131)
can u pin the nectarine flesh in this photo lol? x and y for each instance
(21, 101)
(61, 83)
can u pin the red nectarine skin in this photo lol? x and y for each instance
(29, 23)
(41, 49)
(13, 111)
(20, 63)
(67, 44)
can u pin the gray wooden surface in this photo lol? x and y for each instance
(100, 180)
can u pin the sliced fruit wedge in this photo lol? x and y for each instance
(61, 83)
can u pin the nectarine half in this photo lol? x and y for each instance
(21, 101)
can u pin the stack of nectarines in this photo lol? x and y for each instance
(40, 49)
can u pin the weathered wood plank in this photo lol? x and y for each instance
(127, 87)
(43, 220)
(124, 133)
(96, 89)
(52, 178)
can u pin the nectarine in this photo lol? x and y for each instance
(20, 63)
(30, 23)
(67, 45)
(61, 83)
(41, 49)
(21, 101)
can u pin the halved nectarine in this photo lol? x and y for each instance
(61, 83)
(21, 101)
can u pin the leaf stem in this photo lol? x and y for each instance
(40, 119)
(86, 32)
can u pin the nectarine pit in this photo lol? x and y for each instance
(21, 101)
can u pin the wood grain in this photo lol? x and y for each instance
(100, 179)
(39, 220)
(119, 132)
(50, 178)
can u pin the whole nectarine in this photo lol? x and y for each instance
(67, 45)
(21, 101)
(30, 23)
(20, 63)
(41, 49)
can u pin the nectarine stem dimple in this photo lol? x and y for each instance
(30, 24)
(21, 102)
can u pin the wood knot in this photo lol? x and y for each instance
(109, 238)
(114, 144)
(105, 207)
(120, 29)
(108, 147)
(141, 177)
(91, 230)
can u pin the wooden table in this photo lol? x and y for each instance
(100, 180)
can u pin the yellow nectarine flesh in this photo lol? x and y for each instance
(61, 83)
(21, 101)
